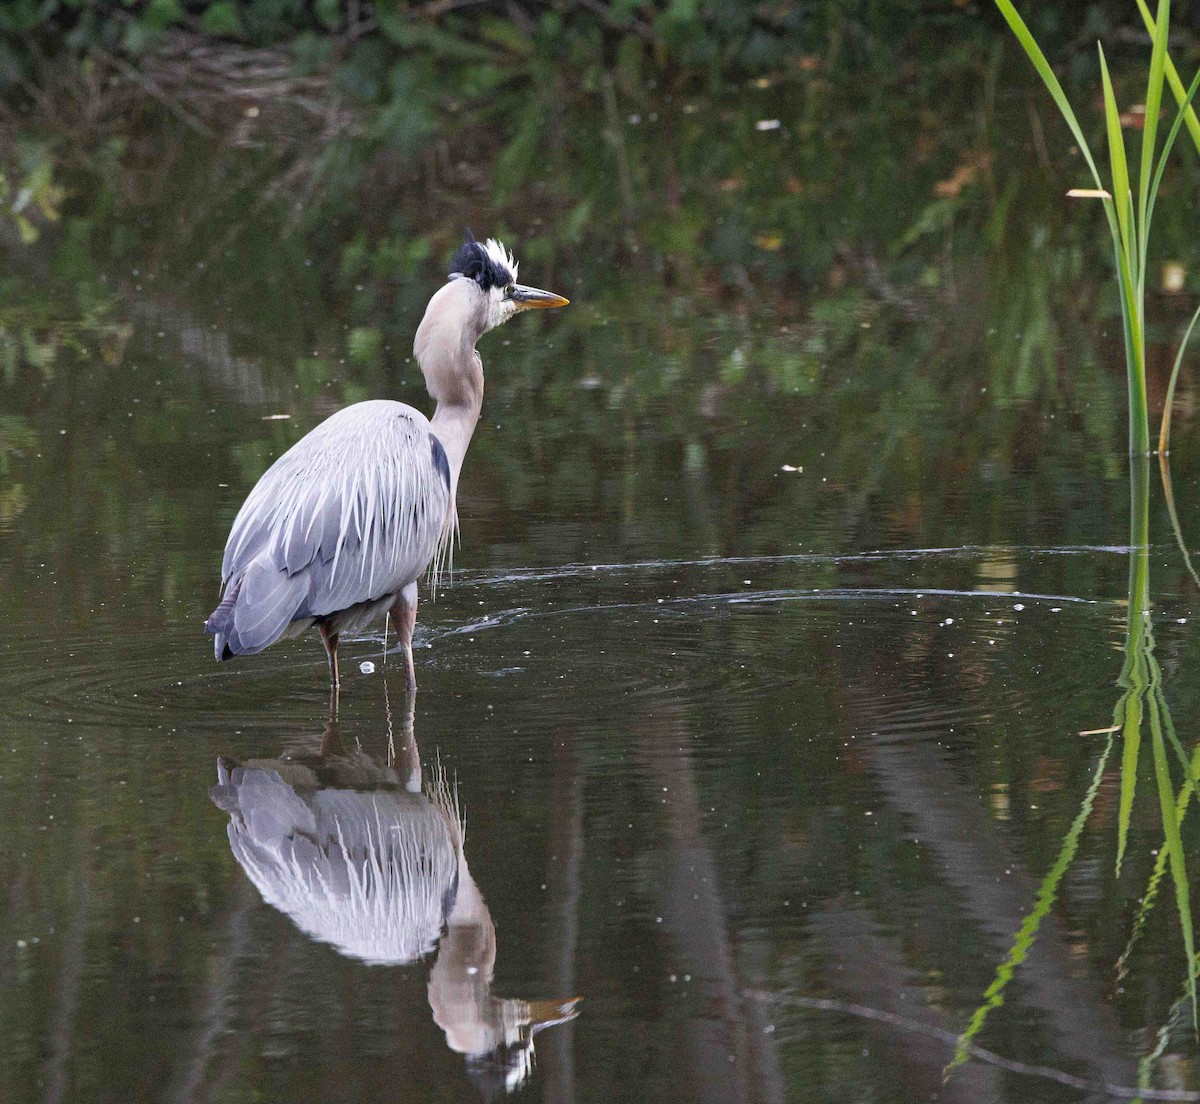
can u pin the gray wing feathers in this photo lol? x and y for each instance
(267, 601)
(353, 511)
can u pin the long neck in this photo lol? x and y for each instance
(453, 423)
(445, 350)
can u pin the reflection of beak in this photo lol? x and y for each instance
(544, 1013)
(528, 298)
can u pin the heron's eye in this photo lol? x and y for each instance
(510, 291)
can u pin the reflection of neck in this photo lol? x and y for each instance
(460, 982)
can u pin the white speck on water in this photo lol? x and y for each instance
(768, 124)
(1018, 607)
(1180, 620)
(367, 667)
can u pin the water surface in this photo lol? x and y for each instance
(778, 657)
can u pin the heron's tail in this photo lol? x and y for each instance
(220, 623)
(256, 610)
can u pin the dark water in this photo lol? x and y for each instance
(777, 663)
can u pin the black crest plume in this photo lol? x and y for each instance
(474, 262)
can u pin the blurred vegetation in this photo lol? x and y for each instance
(677, 136)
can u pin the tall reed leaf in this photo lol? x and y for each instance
(1173, 79)
(1129, 217)
(1034, 52)
(1116, 156)
(1154, 87)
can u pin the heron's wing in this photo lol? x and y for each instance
(355, 510)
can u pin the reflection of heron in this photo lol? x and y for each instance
(360, 855)
(341, 526)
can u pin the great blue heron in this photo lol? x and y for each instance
(339, 529)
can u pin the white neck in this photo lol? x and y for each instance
(453, 424)
(445, 350)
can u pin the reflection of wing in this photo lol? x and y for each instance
(373, 873)
(354, 511)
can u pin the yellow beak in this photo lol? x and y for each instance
(529, 298)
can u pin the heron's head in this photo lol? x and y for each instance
(489, 273)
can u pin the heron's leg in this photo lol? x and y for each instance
(330, 640)
(404, 614)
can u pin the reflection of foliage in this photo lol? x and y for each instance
(28, 192)
(16, 438)
(1143, 698)
(1027, 934)
(766, 288)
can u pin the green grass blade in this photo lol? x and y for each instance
(1164, 433)
(1135, 350)
(1174, 842)
(1035, 55)
(1116, 156)
(1185, 106)
(1174, 80)
(1154, 88)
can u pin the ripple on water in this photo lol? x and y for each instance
(932, 645)
(637, 631)
(149, 678)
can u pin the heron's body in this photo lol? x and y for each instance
(340, 528)
(336, 528)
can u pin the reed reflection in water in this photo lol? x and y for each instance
(363, 854)
(1141, 703)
